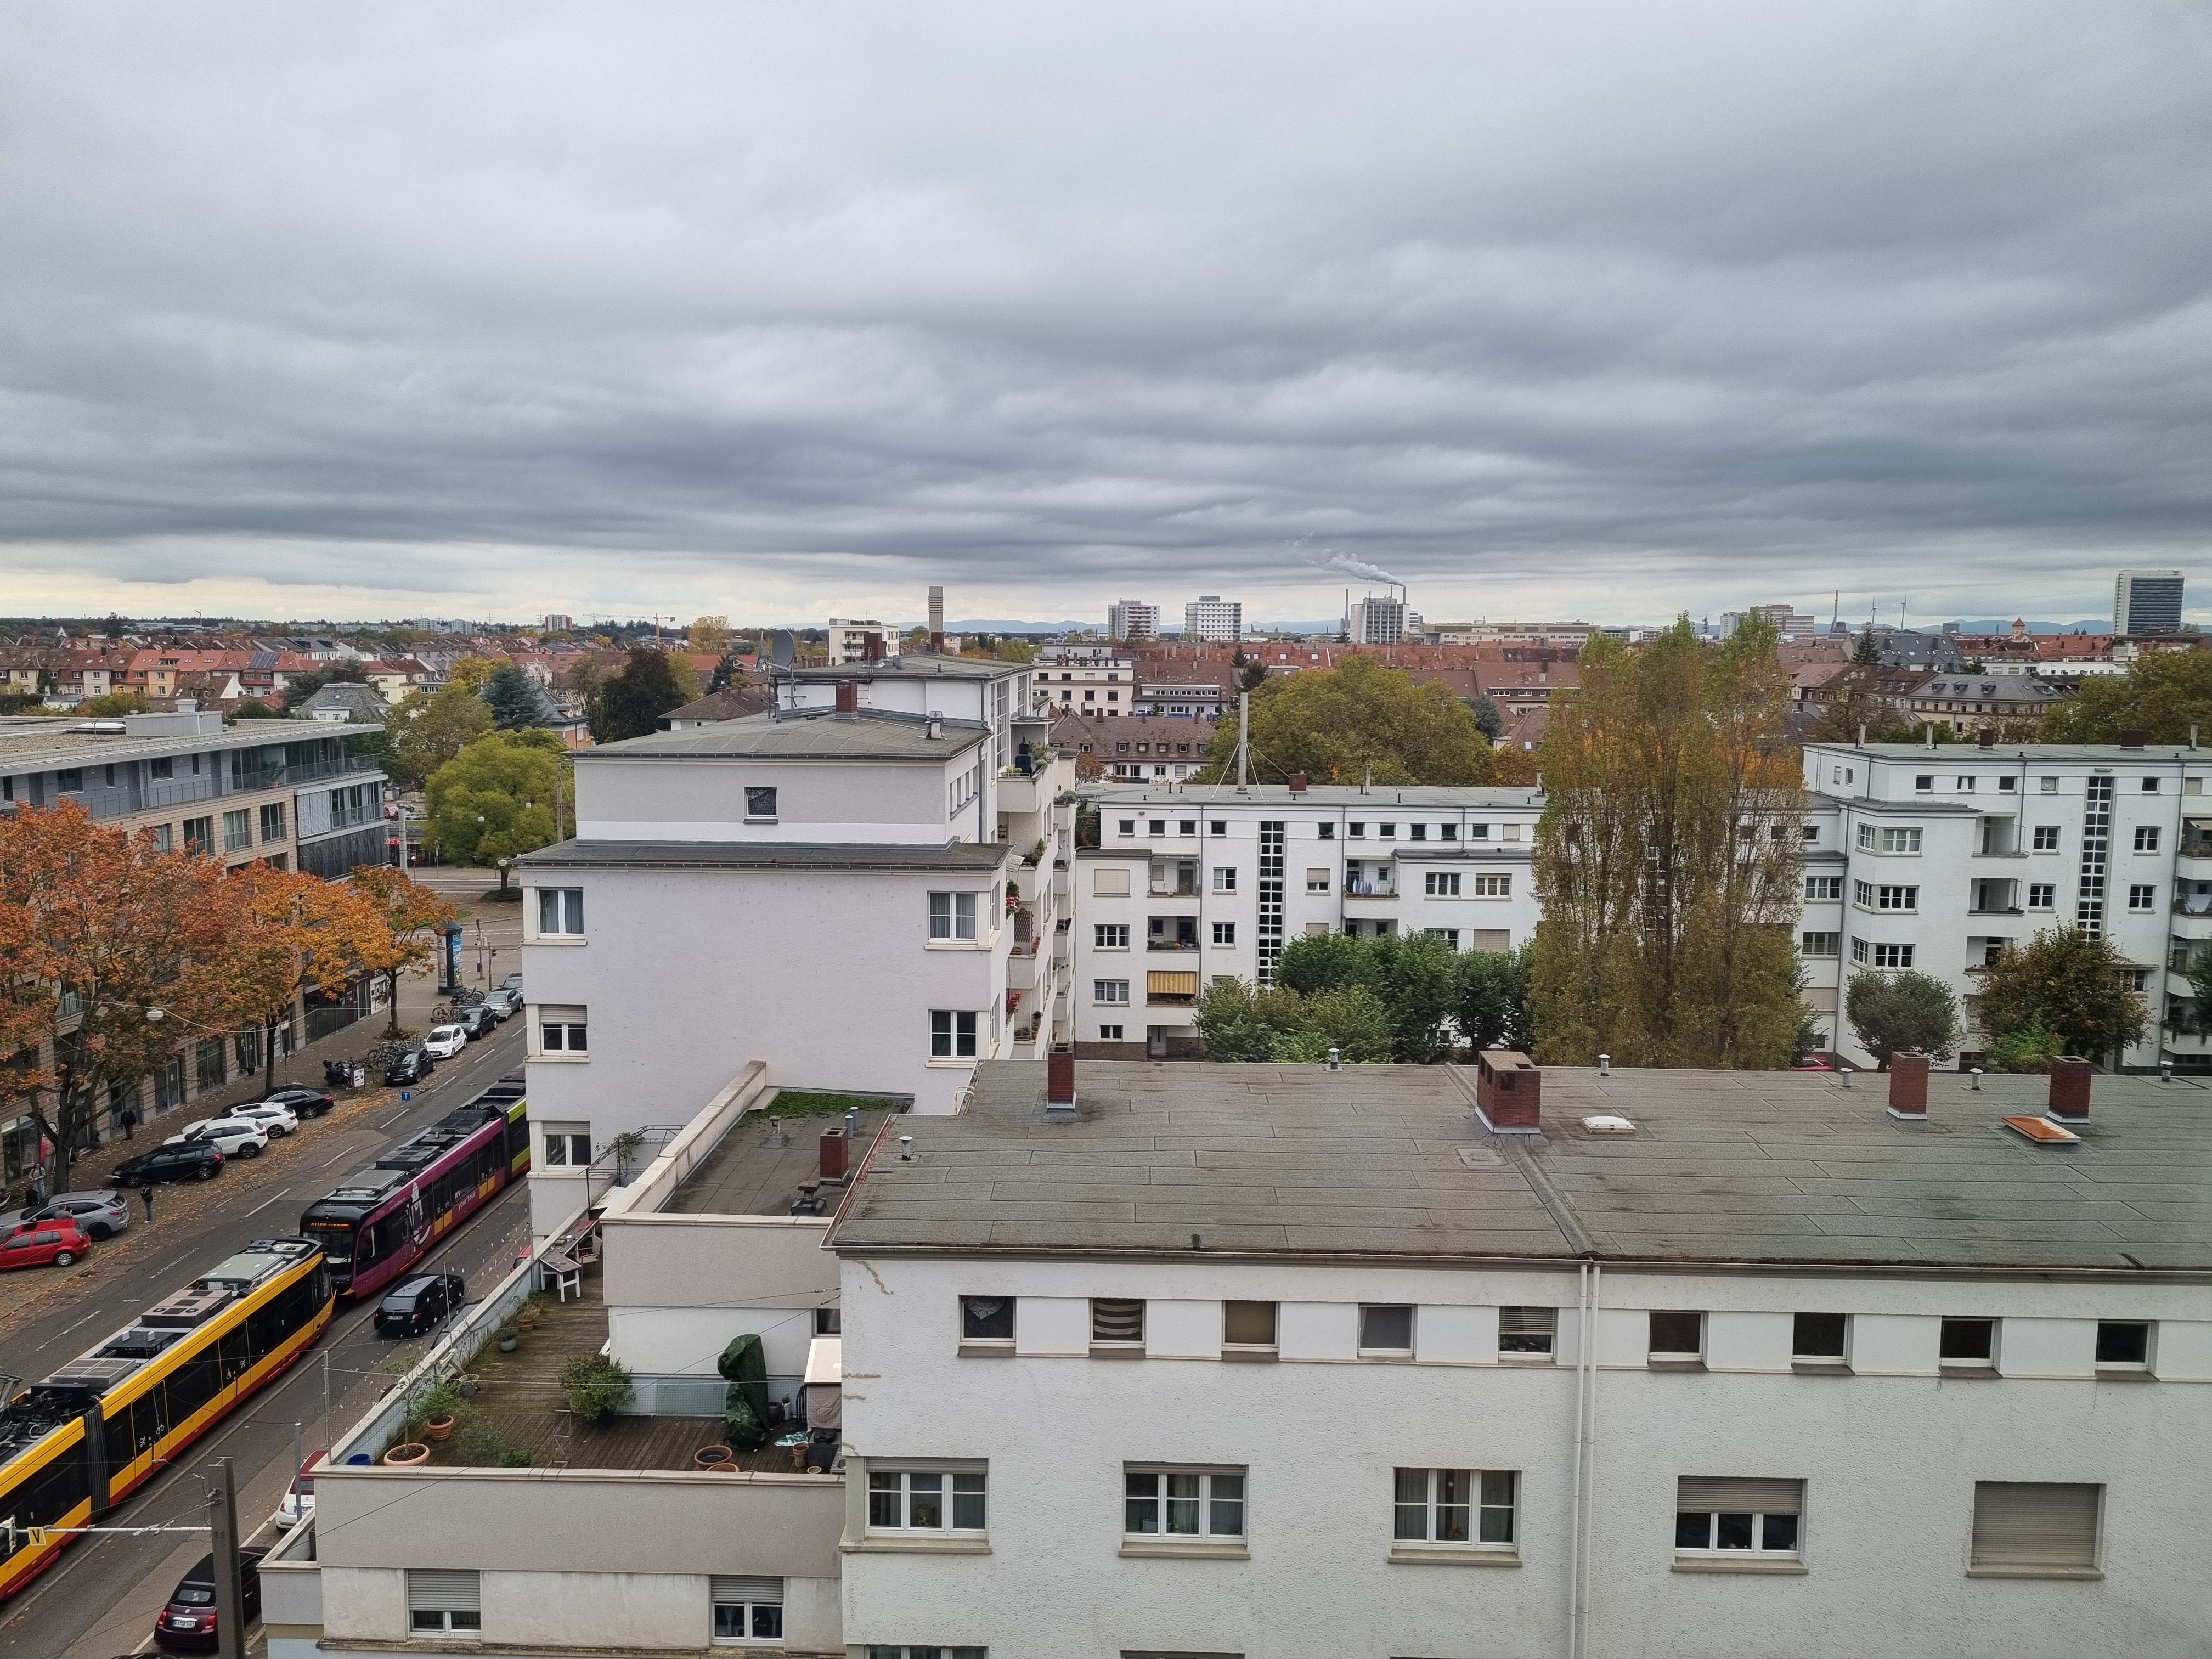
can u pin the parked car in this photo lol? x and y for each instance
(409, 1065)
(480, 1021)
(234, 1137)
(512, 983)
(102, 1215)
(420, 1304)
(445, 1041)
(506, 1002)
(304, 1102)
(298, 1502)
(41, 1243)
(189, 1160)
(279, 1119)
(187, 1623)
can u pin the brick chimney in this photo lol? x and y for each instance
(834, 1149)
(872, 647)
(1297, 783)
(848, 698)
(2070, 1090)
(1908, 1087)
(1509, 1093)
(1060, 1079)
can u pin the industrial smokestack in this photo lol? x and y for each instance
(936, 612)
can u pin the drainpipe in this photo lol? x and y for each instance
(1582, 1345)
(1586, 1497)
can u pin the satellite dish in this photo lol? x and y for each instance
(783, 650)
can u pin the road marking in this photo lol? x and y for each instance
(258, 1208)
(86, 1320)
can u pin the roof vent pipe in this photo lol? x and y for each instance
(1335, 1063)
(936, 725)
(1605, 1065)
(1843, 1074)
(906, 1149)
(1298, 779)
(1862, 734)
(1974, 1078)
(2070, 1091)
(1060, 1079)
(2192, 737)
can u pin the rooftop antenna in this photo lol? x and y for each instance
(1243, 742)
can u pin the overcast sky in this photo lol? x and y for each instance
(787, 310)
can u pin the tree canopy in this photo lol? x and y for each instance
(2161, 695)
(1413, 1000)
(1336, 725)
(1902, 1012)
(514, 699)
(1668, 860)
(496, 799)
(629, 703)
(2077, 988)
(427, 732)
(412, 912)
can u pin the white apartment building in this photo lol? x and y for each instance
(1270, 1360)
(857, 641)
(1192, 884)
(863, 888)
(1938, 857)
(1083, 679)
(1183, 699)
(1133, 620)
(1210, 617)
(1377, 620)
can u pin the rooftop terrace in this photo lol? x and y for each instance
(760, 1165)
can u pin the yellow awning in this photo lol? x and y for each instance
(1172, 985)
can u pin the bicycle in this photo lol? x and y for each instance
(441, 1014)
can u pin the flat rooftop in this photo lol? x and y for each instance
(809, 734)
(1201, 799)
(756, 1168)
(1390, 1161)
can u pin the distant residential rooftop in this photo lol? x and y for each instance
(1391, 1161)
(812, 734)
(957, 855)
(917, 666)
(1197, 797)
(759, 1167)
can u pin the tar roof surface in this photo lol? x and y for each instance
(871, 735)
(26, 743)
(967, 855)
(1201, 799)
(1731, 1167)
(921, 667)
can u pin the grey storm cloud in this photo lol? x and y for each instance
(1062, 299)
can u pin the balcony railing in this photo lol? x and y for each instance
(1170, 944)
(162, 793)
(1370, 890)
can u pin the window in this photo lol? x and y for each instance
(560, 910)
(1356, 829)
(1965, 785)
(1817, 945)
(2123, 1345)
(1183, 1503)
(1110, 935)
(2046, 838)
(1862, 895)
(70, 780)
(1528, 1330)
(561, 1030)
(748, 1609)
(162, 767)
(1219, 826)
(878, 1650)
(2150, 786)
(1968, 1342)
(1186, 826)
(1893, 955)
(2146, 837)
(1897, 898)
(1817, 1337)
(952, 916)
(1859, 951)
(1677, 1336)
(1389, 831)
(828, 1322)
(1110, 1034)
(237, 830)
(1812, 835)
(1129, 827)
(2043, 896)
(1453, 1506)
(1755, 1517)
(165, 838)
(986, 1319)
(1924, 785)
(1824, 887)
(1900, 840)
(1386, 1328)
(1117, 1322)
(951, 1034)
(1449, 935)
(1224, 877)
(1866, 836)
(568, 1147)
(1441, 883)
(1158, 826)
(1493, 887)
(2141, 896)
(1327, 832)
(1110, 883)
(272, 821)
(2028, 1527)
(915, 1499)
(2050, 786)
(1317, 881)
(1420, 831)
(442, 1599)
(1110, 993)
(1447, 832)
(1225, 932)
(760, 803)
(1248, 1325)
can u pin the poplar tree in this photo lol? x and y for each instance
(1668, 861)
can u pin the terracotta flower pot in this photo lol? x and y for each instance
(715, 1460)
(439, 1427)
(407, 1454)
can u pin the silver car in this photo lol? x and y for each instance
(102, 1215)
(503, 1003)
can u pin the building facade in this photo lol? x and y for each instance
(2147, 602)
(1093, 680)
(1375, 620)
(1210, 617)
(854, 640)
(1133, 620)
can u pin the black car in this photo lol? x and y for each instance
(420, 1304)
(479, 1020)
(304, 1102)
(184, 1160)
(409, 1066)
(187, 1623)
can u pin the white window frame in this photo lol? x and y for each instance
(903, 1490)
(1110, 1033)
(2049, 889)
(1104, 992)
(2143, 898)
(1168, 1494)
(758, 809)
(1011, 1307)
(1109, 936)
(1224, 934)
(444, 1584)
(1819, 888)
(1810, 941)
(1471, 1517)
(1412, 1322)
(946, 1034)
(561, 1032)
(1894, 956)
(565, 905)
(1656, 1355)
(1493, 887)
(1897, 897)
(1441, 883)
(1759, 1549)
(724, 1591)
(565, 1145)
(2045, 837)
(951, 912)
(1224, 877)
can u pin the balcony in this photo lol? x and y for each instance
(1370, 890)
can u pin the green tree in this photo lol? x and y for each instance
(1867, 652)
(2163, 695)
(301, 687)
(630, 704)
(252, 710)
(1251, 674)
(428, 731)
(1319, 962)
(1902, 1012)
(1850, 705)
(2076, 986)
(1489, 718)
(1492, 1006)
(1416, 980)
(1240, 1021)
(1667, 860)
(496, 799)
(514, 700)
(728, 671)
(1341, 726)
(113, 704)
(2198, 1017)
(1350, 1019)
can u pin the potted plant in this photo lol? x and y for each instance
(596, 1387)
(509, 1336)
(626, 1147)
(406, 1454)
(715, 1460)
(438, 1410)
(466, 1384)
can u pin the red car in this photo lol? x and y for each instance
(36, 1243)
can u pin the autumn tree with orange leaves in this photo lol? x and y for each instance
(98, 928)
(412, 914)
(292, 935)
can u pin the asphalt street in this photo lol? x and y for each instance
(101, 1598)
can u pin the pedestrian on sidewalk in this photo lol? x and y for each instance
(130, 1121)
(146, 1197)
